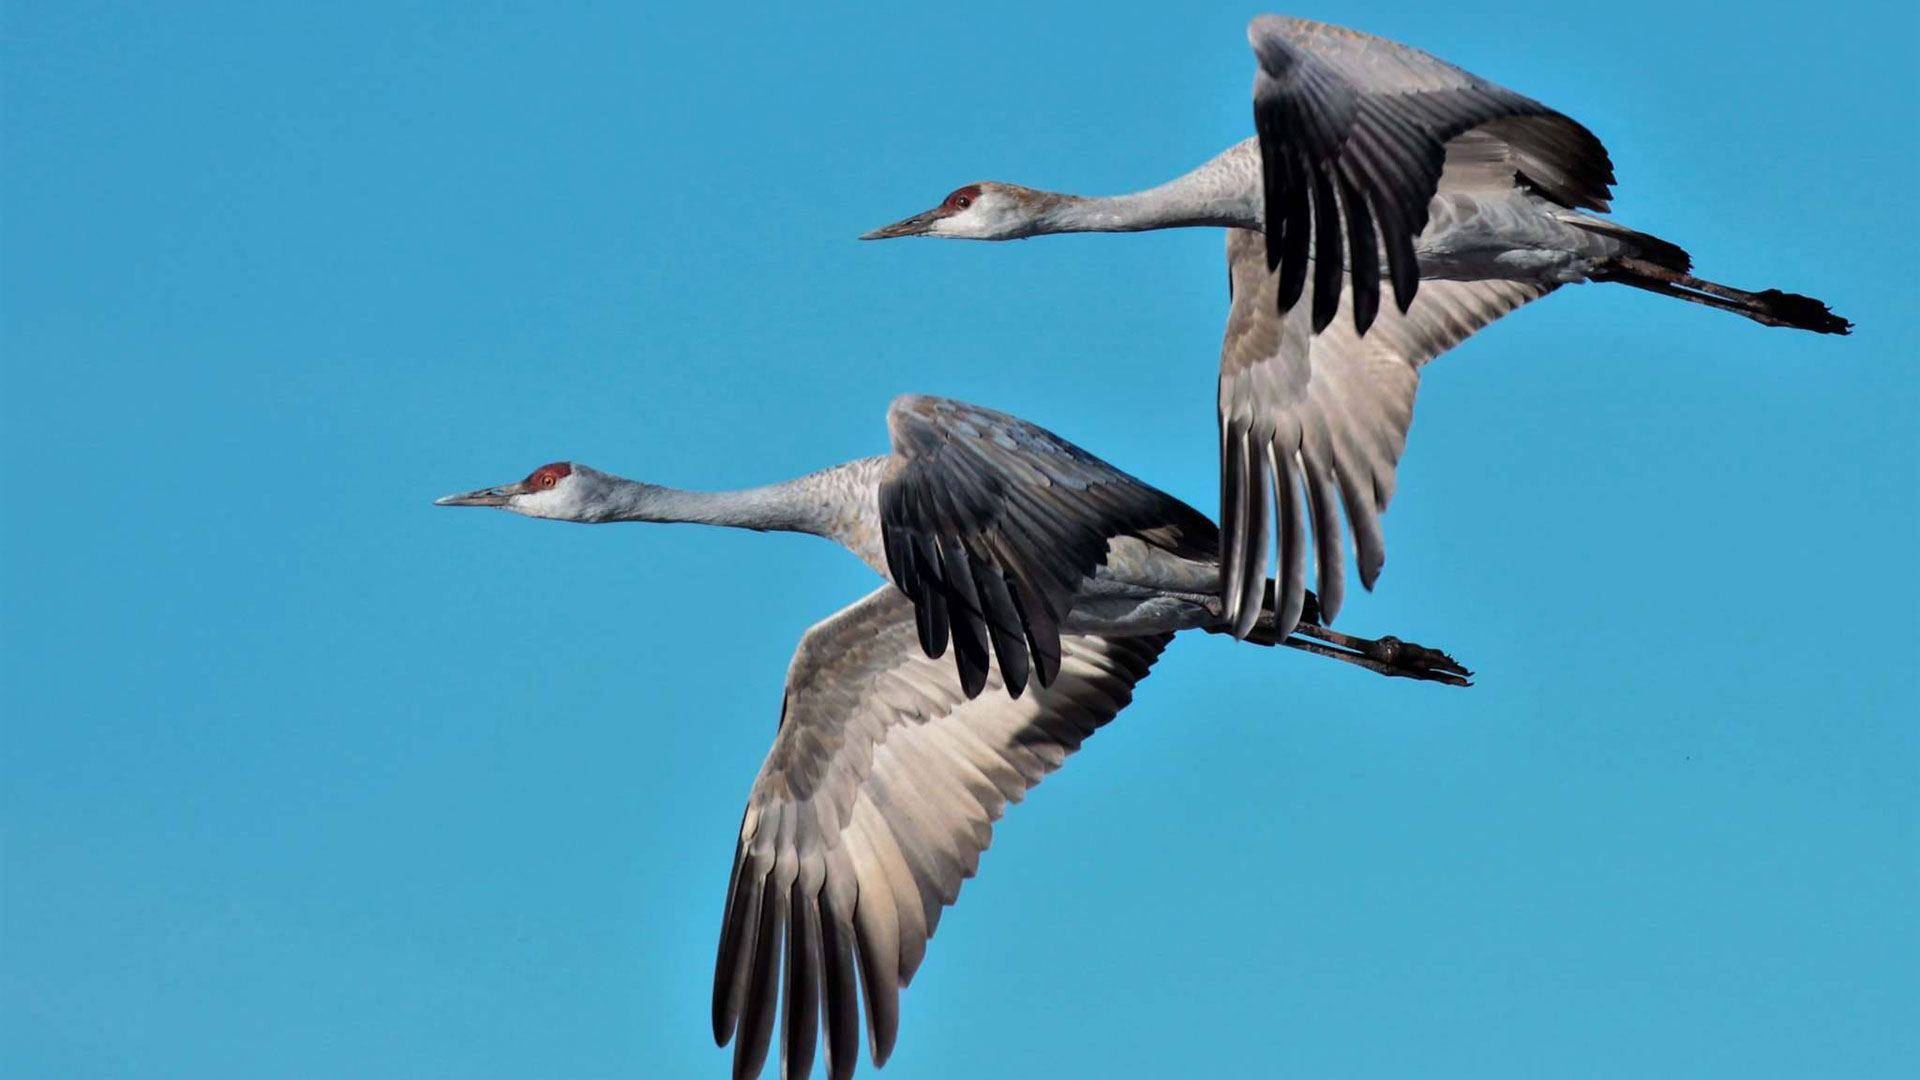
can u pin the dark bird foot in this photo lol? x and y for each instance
(1406, 659)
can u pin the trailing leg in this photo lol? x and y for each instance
(1385, 655)
(1769, 307)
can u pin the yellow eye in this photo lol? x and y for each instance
(547, 480)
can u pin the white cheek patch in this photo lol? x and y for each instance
(971, 223)
(539, 504)
(951, 225)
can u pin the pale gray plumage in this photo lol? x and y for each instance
(1372, 160)
(1315, 420)
(891, 762)
(872, 808)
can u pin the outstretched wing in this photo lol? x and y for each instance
(1354, 134)
(1319, 419)
(991, 524)
(874, 805)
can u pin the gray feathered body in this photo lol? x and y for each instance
(1137, 589)
(1480, 225)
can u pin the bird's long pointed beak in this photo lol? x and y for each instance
(918, 225)
(492, 496)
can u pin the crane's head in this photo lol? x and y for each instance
(560, 490)
(987, 210)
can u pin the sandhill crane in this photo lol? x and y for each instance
(891, 765)
(1372, 160)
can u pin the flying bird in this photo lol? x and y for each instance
(1375, 166)
(891, 764)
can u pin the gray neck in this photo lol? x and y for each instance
(840, 503)
(1223, 193)
(774, 508)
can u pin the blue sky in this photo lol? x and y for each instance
(304, 777)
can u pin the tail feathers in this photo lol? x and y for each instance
(1769, 307)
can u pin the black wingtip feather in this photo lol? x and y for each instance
(1273, 185)
(1404, 266)
(1364, 277)
(840, 995)
(1329, 261)
(1296, 233)
(762, 982)
(726, 978)
(930, 619)
(800, 1017)
(1003, 627)
(1042, 630)
(966, 621)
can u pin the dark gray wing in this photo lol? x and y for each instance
(874, 804)
(1321, 420)
(1354, 134)
(991, 524)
